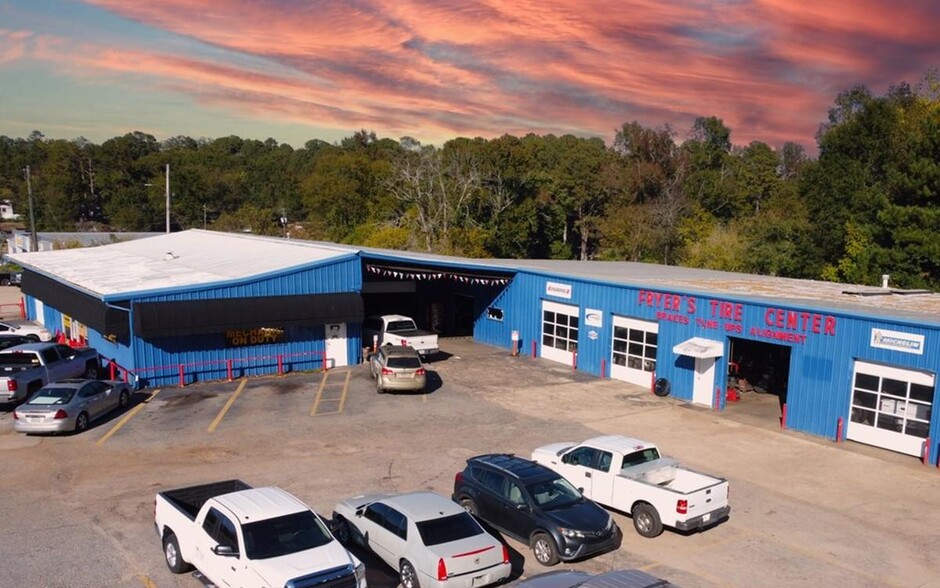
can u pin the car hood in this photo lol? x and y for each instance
(584, 515)
(276, 571)
(551, 452)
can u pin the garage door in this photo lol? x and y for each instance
(559, 331)
(633, 352)
(891, 407)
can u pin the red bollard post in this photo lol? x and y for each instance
(926, 456)
(111, 365)
(280, 365)
(574, 360)
(22, 308)
(326, 364)
(228, 367)
(839, 425)
(717, 397)
(533, 347)
(783, 417)
(125, 375)
(603, 367)
(182, 378)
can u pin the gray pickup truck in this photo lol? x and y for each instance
(27, 368)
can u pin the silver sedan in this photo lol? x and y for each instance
(397, 367)
(69, 405)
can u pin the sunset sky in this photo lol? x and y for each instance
(297, 70)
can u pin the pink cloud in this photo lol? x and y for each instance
(769, 68)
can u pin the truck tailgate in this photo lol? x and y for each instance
(706, 500)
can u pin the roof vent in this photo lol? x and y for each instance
(169, 256)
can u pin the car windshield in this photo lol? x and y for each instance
(50, 396)
(399, 362)
(556, 493)
(447, 529)
(397, 326)
(284, 535)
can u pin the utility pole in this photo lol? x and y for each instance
(168, 198)
(33, 238)
(205, 224)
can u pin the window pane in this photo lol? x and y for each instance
(561, 332)
(620, 359)
(561, 344)
(573, 322)
(572, 346)
(890, 423)
(634, 363)
(652, 338)
(548, 341)
(864, 417)
(865, 399)
(922, 393)
(649, 366)
(894, 387)
(866, 382)
(636, 335)
(548, 316)
(649, 352)
(636, 349)
(620, 333)
(916, 429)
(620, 346)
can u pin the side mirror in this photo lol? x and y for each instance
(565, 458)
(581, 490)
(523, 507)
(225, 551)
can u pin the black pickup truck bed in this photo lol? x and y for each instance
(191, 498)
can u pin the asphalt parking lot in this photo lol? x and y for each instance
(78, 510)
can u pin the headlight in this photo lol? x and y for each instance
(571, 533)
(361, 575)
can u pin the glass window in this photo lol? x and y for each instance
(228, 536)
(555, 493)
(922, 393)
(448, 529)
(863, 417)
(866, 399)
(894, 387)
(396, 523)
(604, 462)
(376, 512)
(513, 493)
(890, 423)
(917, 429)
(639, 346)
(583, 456)
(284, 535)
(211, 521)
(866, 382)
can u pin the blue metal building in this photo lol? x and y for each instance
(863, 357)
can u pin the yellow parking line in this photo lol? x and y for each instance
(127, 417)
(228, 405)
(342, 399)
(147, 582)
(316, 401)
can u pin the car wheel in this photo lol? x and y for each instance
(124, 399)
(341, 530)
(544, 549)
(91, 372)
(646, 521)
(81, 422)
(469, 505)
(409, 579)
(174, 559)
(378, 386)
(32, 337)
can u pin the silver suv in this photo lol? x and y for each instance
(396, 367)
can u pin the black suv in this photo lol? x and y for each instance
(534, 504)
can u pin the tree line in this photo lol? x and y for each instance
(865, 206)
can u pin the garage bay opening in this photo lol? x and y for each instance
(758, 375)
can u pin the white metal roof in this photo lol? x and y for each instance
(183, 259)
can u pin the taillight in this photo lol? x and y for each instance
(16, 416)
(60, 414)
(404, 342)
(682, 506)
(11, 385)
(419, 372)
(505, 553)
(458, 478)
(441, 570)
(387, 372)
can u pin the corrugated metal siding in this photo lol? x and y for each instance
(205, 357)
(820, 367)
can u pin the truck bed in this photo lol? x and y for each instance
(190, 499)
(666, 473)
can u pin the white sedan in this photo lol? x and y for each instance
(29, 329)
(429, 539)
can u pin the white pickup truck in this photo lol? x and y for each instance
(630, 476)
(397, 329)
(236, 535)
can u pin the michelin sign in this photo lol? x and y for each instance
(896, 341)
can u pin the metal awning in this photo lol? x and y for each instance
(700, 347)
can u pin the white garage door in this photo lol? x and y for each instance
(559, 331)
(891, 407)
(633, 352)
